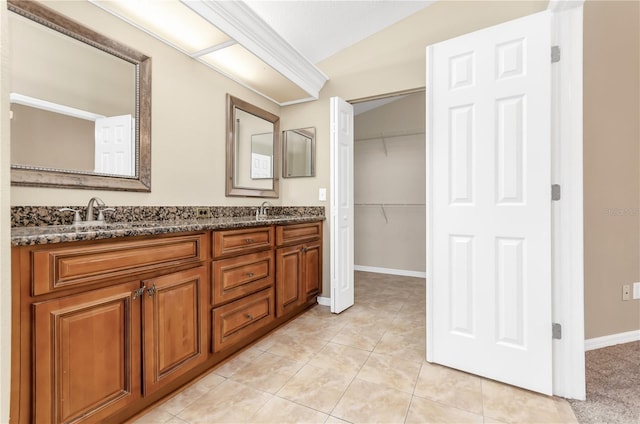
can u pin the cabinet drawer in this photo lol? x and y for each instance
(235, 322)
(298, 233)
(237, 277)
(68, 266)
(235, 242)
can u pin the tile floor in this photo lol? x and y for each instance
(365, 365)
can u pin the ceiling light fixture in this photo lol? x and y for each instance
(229, 37)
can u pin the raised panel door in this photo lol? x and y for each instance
(489, 197)
(174, 333)
(341, 258)
(86, 355)
(312, 276)
(288, 279)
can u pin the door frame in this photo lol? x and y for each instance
(567, 214)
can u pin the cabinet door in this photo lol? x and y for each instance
(86, 355)
(173, 329)
(312, 265)
(288, 279)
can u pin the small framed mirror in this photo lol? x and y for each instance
(299, 153)
(252, 150)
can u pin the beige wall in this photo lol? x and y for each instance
(394, 177)
(611, 165)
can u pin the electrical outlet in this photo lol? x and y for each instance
(203, 213)
(636, 290)
(626, 292)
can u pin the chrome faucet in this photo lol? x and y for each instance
(261, 212)
(94, 200)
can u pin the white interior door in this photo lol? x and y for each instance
(342, 289)
(489, 194)
(115, 145)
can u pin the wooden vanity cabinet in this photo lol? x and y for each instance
(106, 338)
(103, 329)
(298, 265)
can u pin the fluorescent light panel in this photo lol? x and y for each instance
(181, 26)
(169, 20)
(251, 71)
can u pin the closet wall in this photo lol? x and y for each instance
(389, 186)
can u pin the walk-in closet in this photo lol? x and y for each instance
(389, 185)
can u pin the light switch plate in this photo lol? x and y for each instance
(636, 290)
(322, 194)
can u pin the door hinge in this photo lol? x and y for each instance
(555, 54)
(556, 331)
(556, 193)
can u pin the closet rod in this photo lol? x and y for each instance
(391, 135)
(390, 204)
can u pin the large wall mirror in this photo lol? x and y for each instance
(80, 105)
(252, 146)
(299, 153)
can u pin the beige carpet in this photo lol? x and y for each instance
(613, 386)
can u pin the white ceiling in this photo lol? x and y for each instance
(320, 28)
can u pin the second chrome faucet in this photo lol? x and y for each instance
(261, 212)
(89, 216)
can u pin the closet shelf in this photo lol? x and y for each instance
(392, 134)
(385, 136)
(383, 207)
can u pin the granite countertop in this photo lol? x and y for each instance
(25, 236)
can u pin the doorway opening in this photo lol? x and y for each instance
(389, 185)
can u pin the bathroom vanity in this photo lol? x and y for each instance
(108, 320)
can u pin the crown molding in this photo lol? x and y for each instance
(242, 24)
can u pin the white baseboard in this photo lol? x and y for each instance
(324, 301)
(390, 271)
(611, 340)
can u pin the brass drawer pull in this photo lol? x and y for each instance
(249, 274)
(249, 316)
(249, 241)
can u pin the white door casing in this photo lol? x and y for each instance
(115, 145)
(341, 257)
(488, 198)
(567, 214)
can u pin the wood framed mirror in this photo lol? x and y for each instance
(252, 150)
(68, 85)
